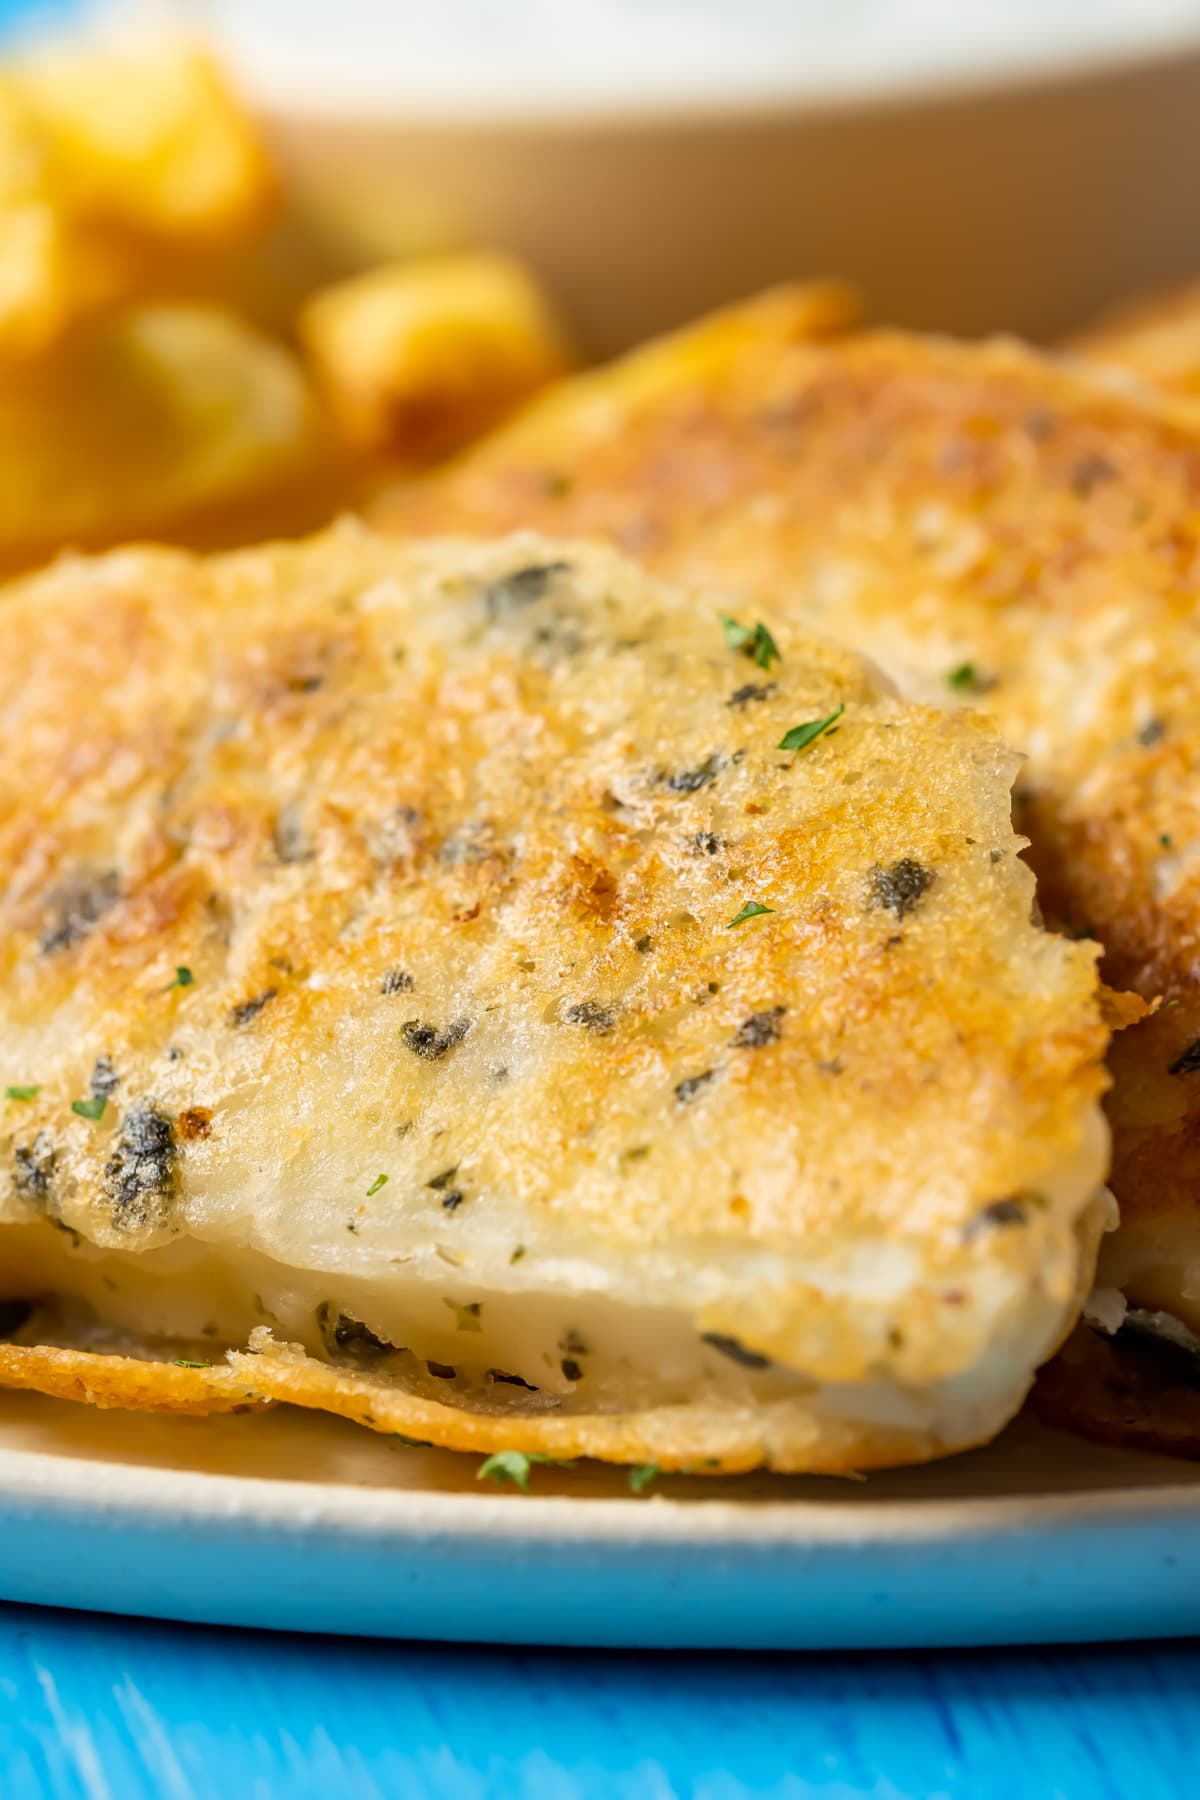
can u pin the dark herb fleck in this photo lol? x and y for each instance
(751, 910)
(1152, 732)
(998, 1213)
(75, 906)
(517, 1254)
(22, 1093)
(105, 1080)
(642, 1476)
(735, 1350)
(1164, 839)
(380, 1181)
(644, 945)
(571, 1369)
(965, 679)
(431, 1044)
(186, 1362)
(759, 1029)
(183, 978)
(1091, 472)
(1187, 1062)
(687, 1090)
(141, 1171)
(591, 1015)
(690, 781)
(91, 1108)
(341, 1332)
(396, 981)
(754, 641)
(900, 887)
(752, 690)
(249, 1009)
(521, 588)
(707, 843)
(801, 736)
(290, 838)
(33, 1167)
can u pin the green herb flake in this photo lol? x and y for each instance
(641, 1477)
(515, 1466)
(184, 1362)
(964, 679)
(22, 1093)
(1164, 838)
(754, 641)
(92, 1108)
(412, 1443)
(801, 736)
(183, 978)
(752, 910)
(380, 1181)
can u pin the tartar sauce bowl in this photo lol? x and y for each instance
(972, 167)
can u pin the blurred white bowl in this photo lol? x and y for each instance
(973, 167)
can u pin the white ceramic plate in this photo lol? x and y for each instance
(304, 1523)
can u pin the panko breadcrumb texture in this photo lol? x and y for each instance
(431, 992)
(998, 529)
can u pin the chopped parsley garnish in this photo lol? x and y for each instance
(92, 1108)
(964, 679)
(183, 978)
(22, 1093)
(184, 1362)
(801, 736)
(752, 910)
(1164, 838)
(641, 1477)
(514, 1466)
(379, 1181)
(754, 641)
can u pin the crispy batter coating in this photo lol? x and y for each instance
(995, 528)
(371, 970)
(1156, 338)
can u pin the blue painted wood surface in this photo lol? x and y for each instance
(104, 1709)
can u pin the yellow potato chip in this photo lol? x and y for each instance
(419, 357)
(149, 136)
(143, 421)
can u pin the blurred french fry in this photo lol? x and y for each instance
(145, 421)
(417, 358)
(114, 159)
(148, 136)
(35, 299)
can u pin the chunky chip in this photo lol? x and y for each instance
(419, 357)
(146, 422)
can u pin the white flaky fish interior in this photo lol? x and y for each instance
(516, 1004)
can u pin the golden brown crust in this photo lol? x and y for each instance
(137, 1383)
(370, 922)
(945, 507)
(1156, 338)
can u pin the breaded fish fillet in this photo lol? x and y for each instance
(1156, 339)
(997, 529)
(495, 999)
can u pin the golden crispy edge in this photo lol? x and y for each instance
(681, 1438)
(718, 1440)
